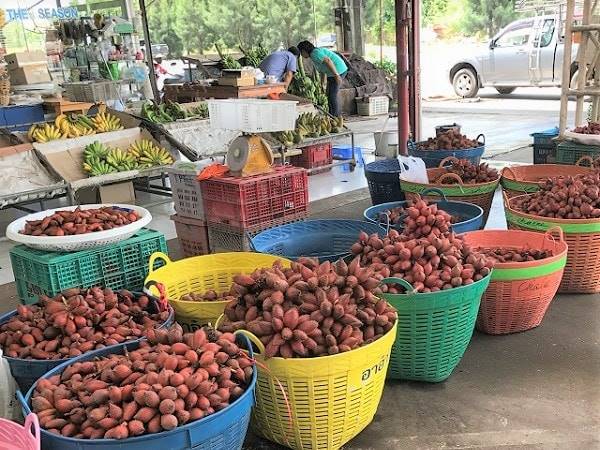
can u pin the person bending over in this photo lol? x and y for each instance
(282, 64)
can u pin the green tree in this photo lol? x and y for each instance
(489, 16)
(161, 22)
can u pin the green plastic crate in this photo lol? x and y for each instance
(118, 266)
(569, 152)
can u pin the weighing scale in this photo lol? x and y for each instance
(249, 154)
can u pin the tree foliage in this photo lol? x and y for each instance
(488, 16)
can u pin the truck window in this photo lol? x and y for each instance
(547, 33)
(515, 36)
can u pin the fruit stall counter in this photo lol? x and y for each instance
(191, 92)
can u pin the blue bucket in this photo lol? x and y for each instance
(471, 214)
(27, 371)
(345, 152)
(433, 158)
(326, 239)
(223, 430)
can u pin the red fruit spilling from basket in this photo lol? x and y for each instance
(449, 140)
(209, 296)
(80, 221)
(564, 198)
(470, 173)
(590, 128)
(504, 254)
(77, 321)
(169, 381)
(425, 254)
(310, 309)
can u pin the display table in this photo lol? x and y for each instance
(188, 92)
(61, 105)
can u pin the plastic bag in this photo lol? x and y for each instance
(9, 408)
(413, 169)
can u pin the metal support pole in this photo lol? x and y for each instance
(401, 56)
(566, 68)
(148, 52)
(414, 67)
(380, 31)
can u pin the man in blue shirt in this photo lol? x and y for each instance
(282, 65)
(330, 65)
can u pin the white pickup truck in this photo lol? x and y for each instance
(527, 52)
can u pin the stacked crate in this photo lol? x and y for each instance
(238, 208)
(189, 221)
(315, 156)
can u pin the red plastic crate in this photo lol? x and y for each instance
(312, 156)
(192, 235)
(256, 201)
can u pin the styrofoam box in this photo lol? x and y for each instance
(253, 115)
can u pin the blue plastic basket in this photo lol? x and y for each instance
(345, 152)
(27, 371)
(432, 158)
(328, 239)
(472, 214)
(223, 430)
(383, 179)
(544, 137)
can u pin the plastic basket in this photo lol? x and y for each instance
(20, 437)
(545, 137)
(201, 274)
(312, 156)
(544, 146)
(27, 371)
(253, 115)
(373, 106)
(583, 239)
(519, 180)
(481, 194)
(192, 235)
(383, 179)
(258, 200)
(223, 430)
(123, 265)
(433, 158)
(326, 239)
(187, 194)
(434, 329)
(519, 292)
(77, 241)
(472, 214)
(331, 398)
(569, 152)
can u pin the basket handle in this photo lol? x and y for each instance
(506, 199)
(252, 337)
(449, 175)
(23, 403)
(585, 158)
(549, 234)
(32, 422)
(446, 159)
(482, 136)
(157, 256)
(437, 191)
(386, 222)
(410, 290)
(508, 169)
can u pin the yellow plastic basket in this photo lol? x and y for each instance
(200, 274)
(331, 398)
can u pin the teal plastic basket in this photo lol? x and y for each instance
(434, 329)
(123, 265)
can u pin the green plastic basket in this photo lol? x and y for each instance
(434, 329)
(123, 265)
(569, 152)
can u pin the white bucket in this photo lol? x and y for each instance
(386, 143)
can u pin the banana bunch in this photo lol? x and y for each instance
(150, 155)
(44, 133)
(97, 167)
(310, 88)
(74, 125)
(199, 112)
(121, 160)
(164, 113)
(312, 126)
(95, 150)
(104, 122)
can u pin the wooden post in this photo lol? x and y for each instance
(566, 69)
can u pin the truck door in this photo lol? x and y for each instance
(542, 60)
(510, 54)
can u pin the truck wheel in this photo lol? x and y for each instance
(465, 83)
(505, 90)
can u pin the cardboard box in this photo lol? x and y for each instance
(237, 82)
(111, 193)
(30, 75)
(65, 157)
(23, 59)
